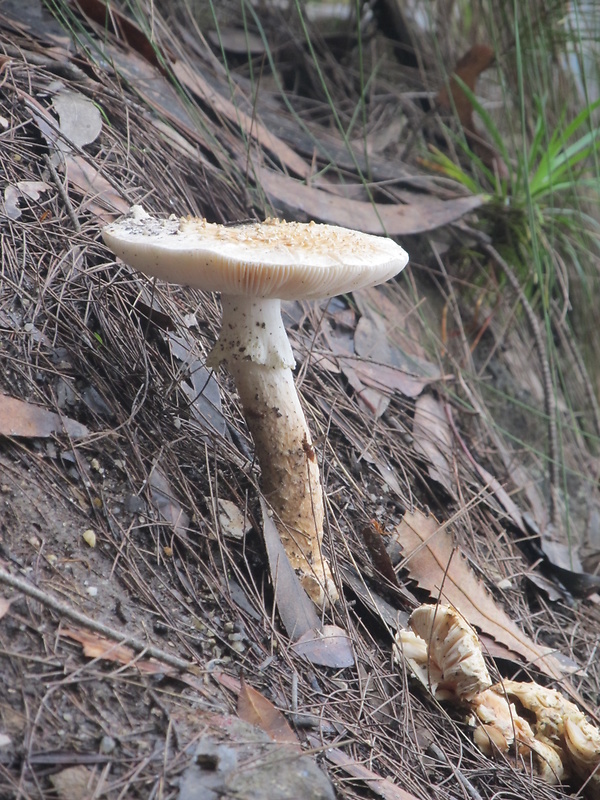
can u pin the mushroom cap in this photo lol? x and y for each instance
(271, 259)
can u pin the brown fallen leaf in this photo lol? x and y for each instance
(5, 605)
(251, 127)
(225, 680)
(340, 344)
(325, 645)
(382, 368)
(328, 646)
(372, 535)
(433, 561)
(254, 708)
(112, 19)
(204, 393)
(375, 341)
(14, 193)
(452, 98)
(370, 399)
(99, 197)
(75, 783)
(296, 610)
(382, 376)
(151, 314)
(165, 502)
(19, 418)
(433, 438)
(394, 220)
(382, 787)
(176, 139)
(388, 325)
(95, 646)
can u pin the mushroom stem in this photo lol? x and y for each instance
(255, 347)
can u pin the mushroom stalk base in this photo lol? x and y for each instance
(290, 473)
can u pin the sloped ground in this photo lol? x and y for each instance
(165, 445)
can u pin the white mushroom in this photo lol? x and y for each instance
(255, 267)
(453, 658)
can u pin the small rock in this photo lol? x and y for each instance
(107, 745)
(89, 537)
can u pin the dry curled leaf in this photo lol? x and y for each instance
(80, 118)
(254, 708)
(425, 214)
(95, 646)
(74, 783)
(433, 438)
(14, 193)
(164, 500)
(328, 646)
(19, 418)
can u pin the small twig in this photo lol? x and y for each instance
(549, 397)
(66, 611)
(439, 755)
(62, 193)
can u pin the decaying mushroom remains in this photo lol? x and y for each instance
(444, 652)
(454, 664)
(255, 267)
(561, 725)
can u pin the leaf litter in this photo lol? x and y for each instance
(161, 568)
(432, 559)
